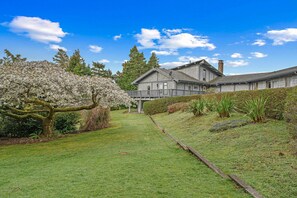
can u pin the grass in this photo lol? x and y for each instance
(262, 154)
(130, 159)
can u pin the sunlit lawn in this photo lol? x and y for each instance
(130, 159)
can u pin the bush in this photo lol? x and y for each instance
(66, 122)
(160, 105)
(255, 109)
(97, 118)
(180, 106)
(225, 107)
(11, 127)
(211, 104)
(290, 113)
(274, 107)
(197, 107)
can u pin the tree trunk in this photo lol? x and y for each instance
(47, 127)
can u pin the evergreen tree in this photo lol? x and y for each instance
(10, 58)
(61, 58)
(154, 61)
(77, 65)
(132, 69)
(99, 70)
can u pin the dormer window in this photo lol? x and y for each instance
(204, 74)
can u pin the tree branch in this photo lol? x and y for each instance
(67, 109)
(13, 115)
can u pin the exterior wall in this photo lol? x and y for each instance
(196, 71)
(262, 85)
(156, 81)
(192, 87)
(227, 88)
(293, 81)
(278, 83)
(241, 87)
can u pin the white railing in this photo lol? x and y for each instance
(162, 93)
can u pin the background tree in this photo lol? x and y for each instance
(153, 61)
(132, 69)
(98, 69)
(77, 65)
(39, 90)
(61, 58)
(10, 58)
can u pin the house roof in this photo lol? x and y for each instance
(171, 74)
(203, 63)
(247, 78)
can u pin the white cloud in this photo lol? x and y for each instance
(164, 52)
(216, 54)
(172, 39)
(57, 47)
(185, 40)
(259, 42)
(236, 55)
(169, 65)
(37, 29)
(147, 37)
(95, 48)
(103, 61)
(117, 37)
(237, 63)
(258, 55)
(281, 37)
(187, 59)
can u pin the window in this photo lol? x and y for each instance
(268, 84)
(165, 87)
(189, 87)
(148, 90)
(196, 87)
(204, 74)
(157, 86)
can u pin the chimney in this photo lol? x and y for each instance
(221, 66)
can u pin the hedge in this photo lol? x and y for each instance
(290, 113)
(275, 101)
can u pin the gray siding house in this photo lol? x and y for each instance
(196, 77)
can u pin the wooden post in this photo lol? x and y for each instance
(139, 106)
(129, 108)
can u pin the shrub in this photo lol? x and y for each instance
(180, 106)
(211, 104)
(255, 109)
(197, 107)
(66, 122)
(290, 113)
(274, 107)
(225, 107)
(11, 127)
(160, 105)
(97, 118)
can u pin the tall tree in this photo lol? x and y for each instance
(132, 69)
(153, 61)
(61, 58)
(98, 69)
(11, 58)
(77, 65)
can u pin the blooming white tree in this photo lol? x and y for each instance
(38, 90)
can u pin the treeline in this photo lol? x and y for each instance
(131, 69)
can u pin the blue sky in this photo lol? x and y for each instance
(250, 36)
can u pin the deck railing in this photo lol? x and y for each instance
(162, 93)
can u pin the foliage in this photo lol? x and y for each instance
(98, 69)
(180, 106)
(255, 109)
(66, 122)
(133, 68)
(153, 61)
(225, 107)
(291, 109)
(211, 104)
(274, 107)
(11, 127)
(197, 107)
(38, 90)
(61, 58)
(160, 105)
(95, 164)
(95, 119)
(11, 58)
(77, 65)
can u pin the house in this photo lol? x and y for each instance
(196, 77)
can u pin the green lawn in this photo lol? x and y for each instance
(130, 159)
(263, 155)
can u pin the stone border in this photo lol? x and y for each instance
(233, 178)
